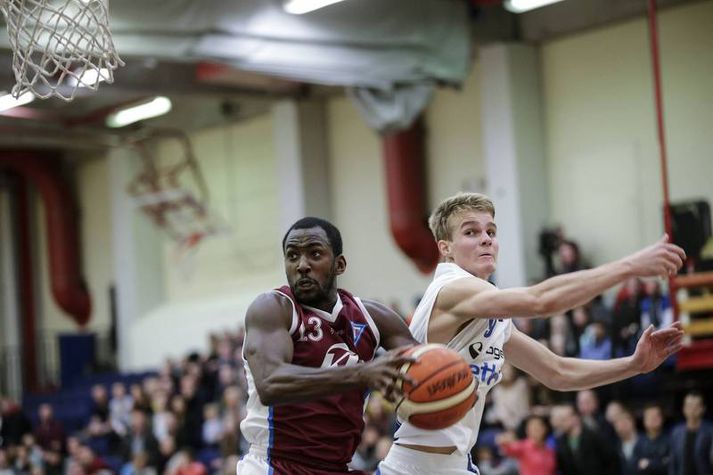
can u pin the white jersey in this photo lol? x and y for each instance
(480, 343)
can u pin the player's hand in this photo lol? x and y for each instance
(383, 374)
(655, 346)
(661, 259)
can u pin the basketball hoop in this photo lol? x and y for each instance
(175, 196)
(59, 46)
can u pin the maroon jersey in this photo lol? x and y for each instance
(323, 433)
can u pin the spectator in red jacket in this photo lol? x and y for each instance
(532, 453)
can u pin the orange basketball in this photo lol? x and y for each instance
(445, 388)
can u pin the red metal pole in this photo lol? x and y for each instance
(658, 100)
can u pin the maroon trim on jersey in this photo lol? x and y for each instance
(324, 433)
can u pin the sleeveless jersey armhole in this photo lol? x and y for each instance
(295, 316)
(372, 325)
(508, 331)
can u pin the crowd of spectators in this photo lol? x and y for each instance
(185, 419)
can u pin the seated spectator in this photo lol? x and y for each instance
(140, 440)
(533, 455)
(101, 439)
(614, 410)
(592, 417)
(652, 450)
(35, 453)
(72, 456)
(22, 464)
(594, 343)
(14, 425)
(48, 430)
(138, 466)
(161, 414)
(212, 425)
(627, 436)
(569, 257)
(488, 464)
(140, 399)
(511, 398)
(91, 463)
(185, 464)
(5, 465)
(655, 307)
(626, 316)
(580, 451)
(120, 407)
(167, 448)
(692, 442)
(100, 402)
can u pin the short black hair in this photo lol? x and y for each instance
(697, 394)
(333, 234)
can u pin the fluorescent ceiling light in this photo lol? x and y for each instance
(153, 108)
(92, 77)
(298, 7)
(8, 102)
(519, 6)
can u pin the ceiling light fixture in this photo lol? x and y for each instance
(7, 101)
(298, 7)
(519, 6)
(91, 77)
(153, 108)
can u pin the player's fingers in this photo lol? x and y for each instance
(664, 238)
(398, 360)
(406, 378)
(674, 349)
(647, 333)
(678, 250)
(392, 373)
(665, 332)
(677, 261)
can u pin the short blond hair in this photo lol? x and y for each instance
(439, 220)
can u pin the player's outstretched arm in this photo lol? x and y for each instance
(475, 298)
(574, 374)
(268, 350)
(393, 330)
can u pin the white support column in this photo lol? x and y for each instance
(514, 156)
(137, 248)
(301, 148)
(9, 308)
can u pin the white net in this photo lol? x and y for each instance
(59, 46)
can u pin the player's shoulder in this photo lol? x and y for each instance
(379, 310)
(461, 288)
(268, 309)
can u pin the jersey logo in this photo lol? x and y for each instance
(475, 349)
(358, 329)
(339, 354)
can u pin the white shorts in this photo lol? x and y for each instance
(252, 464)
(403, 461)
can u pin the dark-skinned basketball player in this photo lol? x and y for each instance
(310, 361)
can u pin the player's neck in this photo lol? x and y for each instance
(327, 304)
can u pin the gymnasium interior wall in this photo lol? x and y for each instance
(603, 174)
(603, 159)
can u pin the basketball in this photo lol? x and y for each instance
(445, 389)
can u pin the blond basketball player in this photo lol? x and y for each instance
(464, 311)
